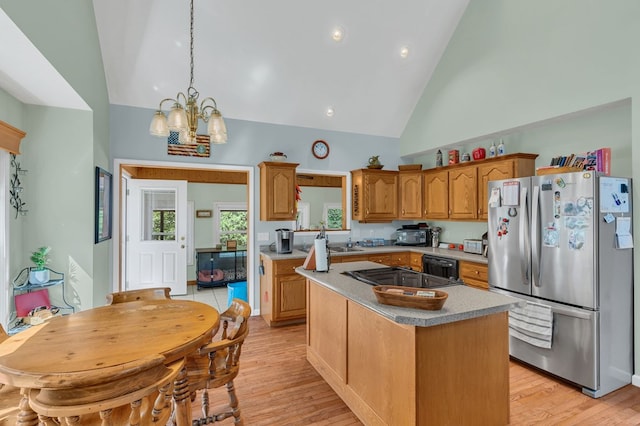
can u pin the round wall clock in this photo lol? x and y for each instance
(320, 149)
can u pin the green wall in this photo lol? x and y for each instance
(62, 148)
(536, 73)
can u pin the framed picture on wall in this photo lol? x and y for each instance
(104, 197)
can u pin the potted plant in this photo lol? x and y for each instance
(40, 273)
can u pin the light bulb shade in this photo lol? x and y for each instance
(216, 128)
(158, 125)
(177, 120)
(185, 138)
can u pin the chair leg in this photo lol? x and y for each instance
(233, 403)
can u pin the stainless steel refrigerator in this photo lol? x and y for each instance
(563, 243)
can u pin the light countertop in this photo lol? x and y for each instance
(463, 303)
(453, 254)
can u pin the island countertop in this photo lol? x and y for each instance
(463, 303)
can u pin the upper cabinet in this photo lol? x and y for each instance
(374, 195)
(410, 194)
(277, 190)
(459, 192)
(436, 193)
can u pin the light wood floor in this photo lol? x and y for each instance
(277, 386)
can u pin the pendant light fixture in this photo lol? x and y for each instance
(186, 113)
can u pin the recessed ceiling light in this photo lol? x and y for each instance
(404, 52)
(330, 112)
(337, 34)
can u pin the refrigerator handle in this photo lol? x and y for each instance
(525, 236)
(534, 235)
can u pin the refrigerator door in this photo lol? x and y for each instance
(564, 226)
(574, 353)
(509, 250)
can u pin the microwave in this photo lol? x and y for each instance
(412, 237)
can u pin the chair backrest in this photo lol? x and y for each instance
(142, 294)
(140, 397)
(218, 362)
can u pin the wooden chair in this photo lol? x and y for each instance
(142, 294)
(138, 394)
(218, 363)
(9, 395)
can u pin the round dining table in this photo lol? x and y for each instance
(72, 348)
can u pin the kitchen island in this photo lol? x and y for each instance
(403, 366)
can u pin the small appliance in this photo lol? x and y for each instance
(284, 241)
(472, 246)
(412, 237)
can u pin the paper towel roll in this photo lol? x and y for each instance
(322, 263)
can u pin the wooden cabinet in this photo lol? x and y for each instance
(374, 195)
(463, 193)
(383, 258)
(522, 165)
(400, 259)
(474, 274)
(277, 190)
(410, 194)
(283, 297)
(436, 194)
(415, 261)
(398, 374)
(459, 192)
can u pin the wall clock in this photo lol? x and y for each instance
(320, 149)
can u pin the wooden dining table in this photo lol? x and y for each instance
(93, 342)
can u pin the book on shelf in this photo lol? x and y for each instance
(598, 160)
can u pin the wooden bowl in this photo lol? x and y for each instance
(407, 297)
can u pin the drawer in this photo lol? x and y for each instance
(476, 274)
(286, 266)
(384, 259)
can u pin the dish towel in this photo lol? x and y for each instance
(532, 323)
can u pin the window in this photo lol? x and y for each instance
(332, 215)
(164, 225)
(230, 223)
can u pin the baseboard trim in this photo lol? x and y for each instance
(635, 380)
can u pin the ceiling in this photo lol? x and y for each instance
(265, 61)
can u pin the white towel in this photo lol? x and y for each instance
(532, 323)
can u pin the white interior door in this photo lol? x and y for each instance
(157, 235)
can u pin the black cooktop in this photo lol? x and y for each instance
(400, 276)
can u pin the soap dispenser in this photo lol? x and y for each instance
(492, 150)
(501, 150)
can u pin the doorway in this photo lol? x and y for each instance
(205, 173)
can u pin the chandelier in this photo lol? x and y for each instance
(186, 113)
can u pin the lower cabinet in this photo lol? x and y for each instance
(283, 298)
(474, 274)
(395, 374)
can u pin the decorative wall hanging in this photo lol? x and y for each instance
(104, 195)
(16, 187)
(200, 149)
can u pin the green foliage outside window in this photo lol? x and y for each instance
(164, 225)
(233, 226)
(334, 218)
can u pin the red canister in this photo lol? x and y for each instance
(454, 156)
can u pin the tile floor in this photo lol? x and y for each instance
(215, 296)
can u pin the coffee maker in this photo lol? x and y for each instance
(284, 241)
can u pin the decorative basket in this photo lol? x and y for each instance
(407, 297)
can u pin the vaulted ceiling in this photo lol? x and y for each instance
(271, 61)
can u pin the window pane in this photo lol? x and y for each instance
(334, 218)
(233, 220)
(158, 214)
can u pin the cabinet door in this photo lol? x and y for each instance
(384, 259)
(486, 173)
(463, 191)
(410, 195)
(291, 297)
(277, 191)
(416, 261)
(436, 194)
(400, 259)
(381, 196)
